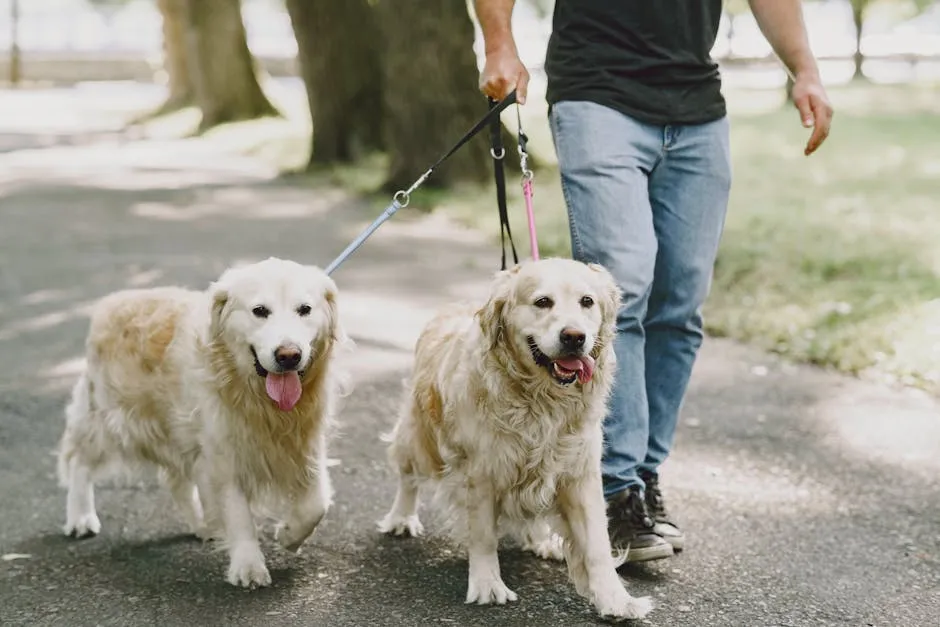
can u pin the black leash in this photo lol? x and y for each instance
(498, 152)
(403, 197)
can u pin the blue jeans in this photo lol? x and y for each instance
(648, 203)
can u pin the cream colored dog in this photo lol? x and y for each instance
(504, 416)
(230, 390)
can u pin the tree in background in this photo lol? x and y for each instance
(431, 93)
(226, 88)
(860, 10)
(858, 19)
(339, 54)
(175, 61)
(394, 74)
(14, 43)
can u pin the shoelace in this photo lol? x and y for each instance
(654, 498)
(633, 509)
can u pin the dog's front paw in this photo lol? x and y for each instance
(489, 589)
(247, 569)
(289, 538)
(205, 533)
(617, 603)
(83, 526)
(401, 525)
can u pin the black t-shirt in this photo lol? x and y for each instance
(650, 59)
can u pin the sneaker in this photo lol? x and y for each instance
(630, 527)
(664, 526)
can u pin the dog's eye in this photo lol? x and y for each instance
(544, 303)
(587, 302)
(303, 310)
(261, 311)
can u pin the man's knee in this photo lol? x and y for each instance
(676, 297)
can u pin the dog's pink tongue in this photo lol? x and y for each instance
(284, 389)
(584, 366)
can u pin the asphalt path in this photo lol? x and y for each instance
(808, 498)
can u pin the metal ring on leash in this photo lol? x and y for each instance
(502, 153)
(402, 197)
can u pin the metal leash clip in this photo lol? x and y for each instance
(527, 190)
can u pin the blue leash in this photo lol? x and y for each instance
(403, 197)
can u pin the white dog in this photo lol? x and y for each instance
(230, 390)
(504, 415)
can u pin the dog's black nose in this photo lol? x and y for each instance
(287, 357)
(571, 339)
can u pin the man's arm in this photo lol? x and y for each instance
(495, 18)
(503, 70)
(781, 22)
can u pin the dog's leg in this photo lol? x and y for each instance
(81, 519)
(590, 562)
(308, 510)
(78, 443)
(485, 584)
(538, 537)
(208, 501)
(402, 519)
(246, 561)
(187, 500)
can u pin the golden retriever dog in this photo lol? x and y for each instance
(503, 417)
(228, 393)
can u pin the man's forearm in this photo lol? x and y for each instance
(495, 17)
(781, 22)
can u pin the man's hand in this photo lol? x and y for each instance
(503, 72)
(810, 99)
(782, 23)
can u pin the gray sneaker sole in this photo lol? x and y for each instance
(676, 542)
(670, 535)
(650, 553)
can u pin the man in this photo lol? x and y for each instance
(640, 129)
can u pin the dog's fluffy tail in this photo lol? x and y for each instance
(388, 437)
(77, 410)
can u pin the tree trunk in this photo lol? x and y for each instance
(223, 72)
(15, 43)
(175, 62)
(339, 47)
(431, 93)
(858, 17)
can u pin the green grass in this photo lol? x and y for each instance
(832, 259)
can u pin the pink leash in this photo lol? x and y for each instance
(527, 177)
(527, 192)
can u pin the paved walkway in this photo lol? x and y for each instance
(808, 498)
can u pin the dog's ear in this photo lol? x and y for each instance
(491, 316)
(610, 296)
(218, 299)
(337, 329)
